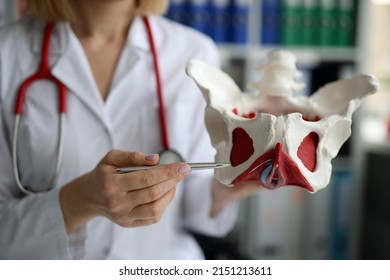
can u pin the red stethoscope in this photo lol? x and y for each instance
(44, 73)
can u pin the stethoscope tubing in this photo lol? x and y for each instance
(162, 112)
(60, 144)
(43, 73)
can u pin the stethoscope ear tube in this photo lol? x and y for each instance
(60, 143)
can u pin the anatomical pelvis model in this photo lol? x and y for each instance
(274, 136)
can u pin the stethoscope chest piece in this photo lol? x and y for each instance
(169, 156)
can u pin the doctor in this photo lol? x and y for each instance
(100, 52)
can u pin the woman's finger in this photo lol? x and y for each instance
(153, 210)
(145, 214)
(146, 178)
(150, 194)
(120, 158)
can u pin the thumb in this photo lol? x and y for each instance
(120, 158)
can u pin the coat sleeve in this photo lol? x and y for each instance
(197, 200)
(31, 227)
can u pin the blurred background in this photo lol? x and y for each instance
(332, 39)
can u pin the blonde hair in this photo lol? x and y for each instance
(64, 10)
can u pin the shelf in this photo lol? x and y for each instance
(306, 55)
(380, 147)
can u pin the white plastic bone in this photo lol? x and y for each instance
(277, 138)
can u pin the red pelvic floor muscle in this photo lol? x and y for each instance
(242, 147)
(279, 170)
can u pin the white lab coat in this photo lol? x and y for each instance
(32, 227)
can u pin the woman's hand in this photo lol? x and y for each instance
(133, 199)
(222, 195)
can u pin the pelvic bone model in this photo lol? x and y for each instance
(276, 138)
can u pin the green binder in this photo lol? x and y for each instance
(291, 29)
(310, 22)
(346, 23)
(328, 23)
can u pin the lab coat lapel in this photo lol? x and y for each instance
(136, 45)
(72, 69)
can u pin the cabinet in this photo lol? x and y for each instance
(371, 239)
(375, 228)
(334, 223)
